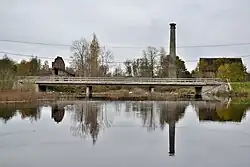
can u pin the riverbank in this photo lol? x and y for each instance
(238, 90)
(241, 87)
(122, 94)
(23, 97)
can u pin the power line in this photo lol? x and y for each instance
(34, 43)
(26, 55)
(129, 47)
(111, 62)
(16, 54)
(217, 45)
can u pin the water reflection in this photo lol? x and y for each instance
(57, 113)
(219, 112)
(171, 113)
(87, 120)
(9, 112)
(90, 118)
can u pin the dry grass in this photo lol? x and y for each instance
(18, 96)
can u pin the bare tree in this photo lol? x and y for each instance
(128, 66)
(150, 54)
(105, 59)
(89, 59)
(46, 66)
(118, 71)
(81, 57)
(163, 67)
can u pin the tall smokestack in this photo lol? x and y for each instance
(172, 40)
(172, 50)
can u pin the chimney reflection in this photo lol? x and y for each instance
(171, 113)
(171, 134)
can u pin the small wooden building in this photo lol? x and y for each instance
(58, 67)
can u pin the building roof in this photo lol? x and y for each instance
(226, 60)
(58, 63)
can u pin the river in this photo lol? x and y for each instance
(125, 133)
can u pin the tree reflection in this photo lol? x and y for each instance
(33, 114)
(7, 113)
(222, 113)
(87, 120)
(147, 113)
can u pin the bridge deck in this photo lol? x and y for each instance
(124, 81)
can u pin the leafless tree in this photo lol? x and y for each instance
(105, 61)
(81, 57)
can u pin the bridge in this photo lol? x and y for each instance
(197, 83)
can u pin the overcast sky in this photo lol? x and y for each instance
(136, 23)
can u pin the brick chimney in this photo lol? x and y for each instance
(172, 73)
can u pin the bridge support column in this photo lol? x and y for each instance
(151, 89)
(37, 88)
(198, 91)
(89, 91)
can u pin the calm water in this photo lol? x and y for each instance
(132, 134)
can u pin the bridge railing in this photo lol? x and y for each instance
(118, 79)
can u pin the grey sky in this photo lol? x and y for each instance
(127, 23)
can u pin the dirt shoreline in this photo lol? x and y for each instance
(27, 97)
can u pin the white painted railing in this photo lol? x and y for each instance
(120, 80)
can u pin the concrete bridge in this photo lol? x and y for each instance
(43, 82)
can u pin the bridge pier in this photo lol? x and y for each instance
(89, 91)
(151, 89)
(198, 92)
(36, 87)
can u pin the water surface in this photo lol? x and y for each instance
(125, 133)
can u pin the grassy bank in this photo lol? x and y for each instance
(19, 96)
(240, 89)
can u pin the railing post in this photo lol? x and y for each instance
(151, 89)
